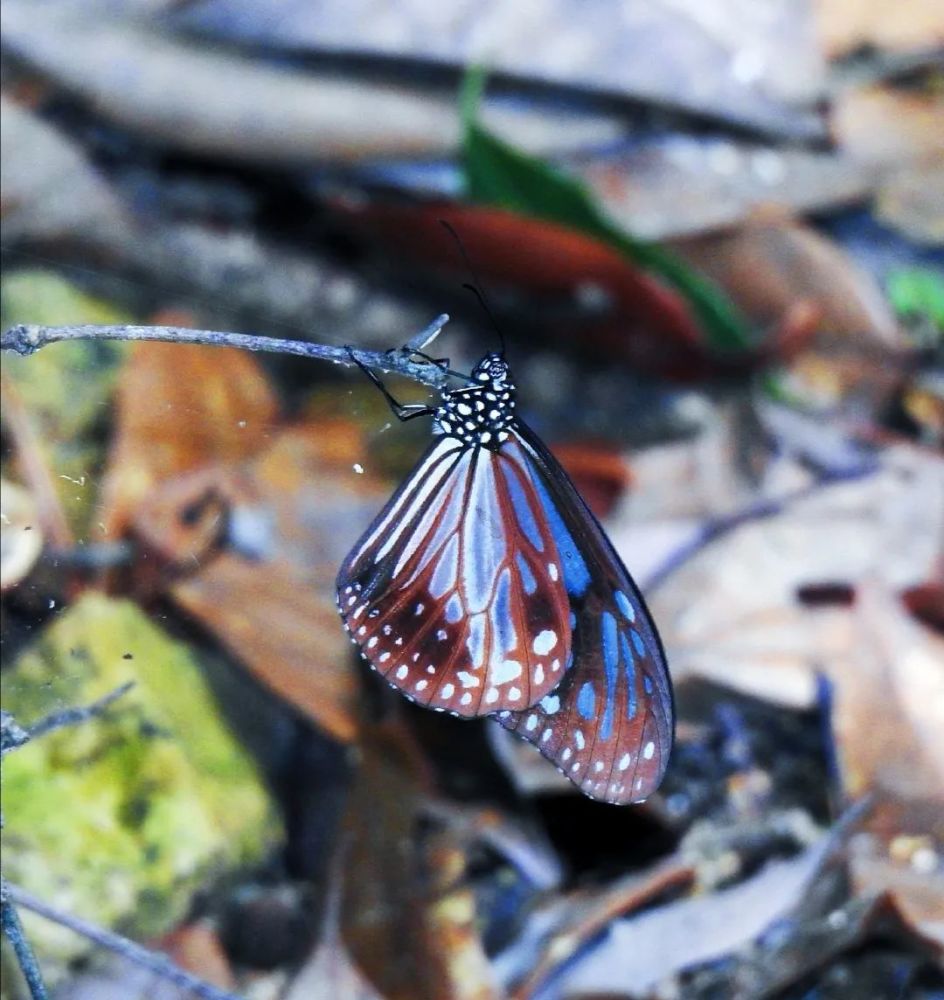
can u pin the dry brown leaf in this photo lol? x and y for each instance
(772, 261)
(730, 612)
(253, 549)
(408, 917)
(289, 637)
(888, 721)
(846, 25)
(772, 264)
(650, 947)
(889, 714)
(885, 127)
(181, 407)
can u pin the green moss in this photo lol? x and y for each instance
(120, 819)
(67, 387)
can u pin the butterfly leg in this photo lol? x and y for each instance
(402, 411)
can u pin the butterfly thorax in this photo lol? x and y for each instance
(481, 413)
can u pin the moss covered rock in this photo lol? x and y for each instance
(120, 818)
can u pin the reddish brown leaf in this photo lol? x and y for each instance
(601, 473)
(181, 407)
(640, 320)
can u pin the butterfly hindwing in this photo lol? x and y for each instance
(609, 726)
(455, 593)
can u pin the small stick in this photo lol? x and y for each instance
(14, 736)
(26, 339)
(153, 961)
(13, 932)
(71, 716)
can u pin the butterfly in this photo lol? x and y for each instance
(487, 587)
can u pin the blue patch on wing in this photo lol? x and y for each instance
(523, 512)
(501, 615)
(576, 574)
(629, 666)
(610, 664)
(625, 606)
(586, 701)
(527, 577)
(639, 645)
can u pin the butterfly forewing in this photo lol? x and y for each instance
(609, 726)
(456, 592)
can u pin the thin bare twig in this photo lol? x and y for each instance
(13, 932)
(15, 736)
(153, 961)
(26, 339)
(71, 716)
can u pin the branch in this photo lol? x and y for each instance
(14, 735)
(26, 339)
(13, 932)
(153, 961)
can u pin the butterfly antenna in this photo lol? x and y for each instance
(476, 286)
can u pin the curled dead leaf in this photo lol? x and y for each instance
(21, 538)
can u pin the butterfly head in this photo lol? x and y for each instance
(480, 413)
(492, 368)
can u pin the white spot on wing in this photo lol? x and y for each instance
(506, 671)
(544, 642)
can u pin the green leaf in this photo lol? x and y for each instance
(918, 291)
(500, 175)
